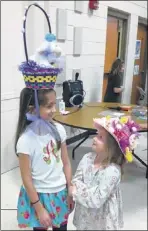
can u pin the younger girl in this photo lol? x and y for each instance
(96, 184)
(44, 164)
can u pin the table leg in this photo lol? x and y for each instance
(142, 162)
(147, 172)
(73, 151)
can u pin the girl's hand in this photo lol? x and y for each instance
(122, 88)
(71, 203)
(44, 217)
(71, 190)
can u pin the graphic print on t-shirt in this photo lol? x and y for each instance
(50, 149)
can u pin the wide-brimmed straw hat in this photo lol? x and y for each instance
(124, 130)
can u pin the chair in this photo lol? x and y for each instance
(142, 98)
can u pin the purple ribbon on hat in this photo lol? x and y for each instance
(40, 126)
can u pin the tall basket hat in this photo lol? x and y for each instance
(38, 76)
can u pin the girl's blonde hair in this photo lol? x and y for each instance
(114, 153)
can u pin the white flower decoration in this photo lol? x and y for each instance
(111, 130)
(118, 126)
(132, 141)
(134, 129)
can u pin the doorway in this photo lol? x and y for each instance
(140, 65)
(115, 44)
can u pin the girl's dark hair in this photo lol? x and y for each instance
(27, 99)
(115, 154)
(116, 67)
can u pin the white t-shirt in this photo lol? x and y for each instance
(46, 164)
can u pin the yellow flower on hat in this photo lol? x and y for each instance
(108, 117)
(123, 120)
(128, 155)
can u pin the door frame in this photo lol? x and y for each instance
(143, 22)
(120, 15)
(142, 73)
(145, 65)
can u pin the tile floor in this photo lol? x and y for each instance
(134, 189)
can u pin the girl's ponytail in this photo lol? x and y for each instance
(26, 97)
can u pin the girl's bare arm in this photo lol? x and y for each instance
(66, 163)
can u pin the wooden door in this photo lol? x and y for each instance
(111, 47)
(139, 79)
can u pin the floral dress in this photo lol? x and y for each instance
(98, 197)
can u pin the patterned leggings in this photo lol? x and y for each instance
(64, 227)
